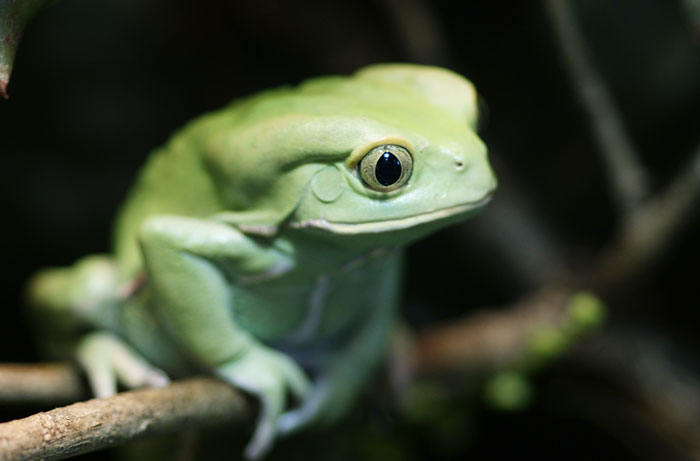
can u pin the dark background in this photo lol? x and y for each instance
(97, 85)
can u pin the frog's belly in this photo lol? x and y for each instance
(299, 312)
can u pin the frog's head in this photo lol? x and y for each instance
(386, 156)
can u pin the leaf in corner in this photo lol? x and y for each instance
(14, 15)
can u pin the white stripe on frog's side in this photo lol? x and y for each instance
(317, 303)
(317, 300)
(275, 271)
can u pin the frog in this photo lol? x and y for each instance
(263, 243)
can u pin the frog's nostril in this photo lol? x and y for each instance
(459, 164)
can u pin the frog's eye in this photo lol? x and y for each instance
(386, 167)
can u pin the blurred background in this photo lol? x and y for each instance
(97, 85)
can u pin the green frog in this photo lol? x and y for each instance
(263, 242)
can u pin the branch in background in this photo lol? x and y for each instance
(492, 340)
(625, 172)
(665, 392)
(651, 228)
(100, 423)
(648, 225)
(41, 384)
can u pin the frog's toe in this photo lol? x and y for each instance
(268, 375)
(265, 432)
(294, 420)
(107, 360)
(100, 376)
(297, 381)
(155, 377)
(309, 413)
(272, 401)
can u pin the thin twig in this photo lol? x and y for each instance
(651, 227)
(99, 423)
(625, 171)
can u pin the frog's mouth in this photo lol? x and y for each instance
(453, 212)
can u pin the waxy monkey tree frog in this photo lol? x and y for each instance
(263, 242)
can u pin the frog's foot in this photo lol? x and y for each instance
(83, 288)
(268, 375)
(326, 403)
(107, 360)
(316, 410)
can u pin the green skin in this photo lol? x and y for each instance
(254, 246)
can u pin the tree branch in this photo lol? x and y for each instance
(99, 423)
(42, 384)
(625, 172)
(489, 340)
(647, 226)
(651, 228)
(475, 346)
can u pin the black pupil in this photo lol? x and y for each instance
(388, 169)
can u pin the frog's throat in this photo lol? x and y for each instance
(390, 224)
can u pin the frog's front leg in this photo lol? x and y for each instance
(345, 374)
(190, 264)
(107, 359)
(66, 301)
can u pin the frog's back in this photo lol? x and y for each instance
(177, 180)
